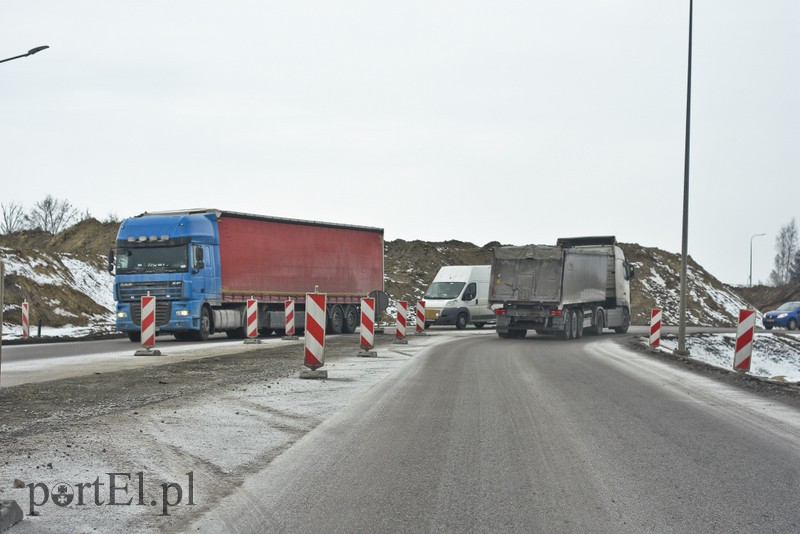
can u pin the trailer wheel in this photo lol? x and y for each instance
(335, 320)
(461, 321)
(574, 325)
(599, 322)
(579, 317)
(626, 322)
(567, 333)
(205, 326)
(350, 319)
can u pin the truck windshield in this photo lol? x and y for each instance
(444, 290)
(134, 260)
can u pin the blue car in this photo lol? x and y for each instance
(787, 316)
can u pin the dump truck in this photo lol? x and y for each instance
(580, 285)
(203, 265)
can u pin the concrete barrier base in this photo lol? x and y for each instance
(10, 514)
(421, 333)
(252, 341)
(290, 338)
(147, 352)
(309, 374)
(367, 354)
(403, 341)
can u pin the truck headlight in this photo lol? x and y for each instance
(183, 313)
(122, 315)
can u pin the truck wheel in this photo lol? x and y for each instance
(626, 322)
(574, 325)
(205, 326)
(335, 320)
(461, 321)
(350, 319)
(599, 322)
(579, 321)
(567, 334)
(136, 337)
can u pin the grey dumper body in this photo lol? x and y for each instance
(580, 285)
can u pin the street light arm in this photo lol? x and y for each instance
(30, 53)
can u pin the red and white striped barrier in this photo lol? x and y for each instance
(367, 323)
(402, 318)
(420, 317)
(316, 304)
(655, 328)
(148, 325)
(252, 318)
(26, 319)
(744, 340)
(288, 308)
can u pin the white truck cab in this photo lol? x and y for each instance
(459, 295)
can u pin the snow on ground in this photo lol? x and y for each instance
(776, 357)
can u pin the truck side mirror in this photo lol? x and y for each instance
(111, 260)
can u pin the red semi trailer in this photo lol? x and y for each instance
(203, 265)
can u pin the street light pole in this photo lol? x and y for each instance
(681, 350)
(750, 280)
(30, 53)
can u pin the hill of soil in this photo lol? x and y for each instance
(409, 268)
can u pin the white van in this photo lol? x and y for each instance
(459, 295)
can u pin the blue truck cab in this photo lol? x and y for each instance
(175, 258)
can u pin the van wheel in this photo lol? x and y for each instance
(480, 325)
(461, 321)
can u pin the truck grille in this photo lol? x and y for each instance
(163, 310)
(133, 291)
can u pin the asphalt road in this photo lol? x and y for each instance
(535, 435)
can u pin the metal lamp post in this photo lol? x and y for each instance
(750, 280)
(30, 53)
(681, 350)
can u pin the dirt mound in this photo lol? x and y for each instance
(767, 298)
(88, 237)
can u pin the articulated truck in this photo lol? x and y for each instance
(580, 285)
(203, 265)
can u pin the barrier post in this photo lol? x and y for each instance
(148, 327)
(402, 318)
(288, 309)
(367, 328)
(252, 322)
(316, 307)
(655, 328)
(744, 340)
(26, 320)
(420, 312)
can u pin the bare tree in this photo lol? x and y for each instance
(786, 245)
(52, 215)
(12, 218)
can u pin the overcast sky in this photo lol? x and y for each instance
(514, 121)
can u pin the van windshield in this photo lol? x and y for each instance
(444, 290)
